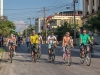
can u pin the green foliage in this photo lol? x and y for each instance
(28, 30)
(93, 23)
(60, 31)
(6, 27)
(43, 33)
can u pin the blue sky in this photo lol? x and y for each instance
(20, 10)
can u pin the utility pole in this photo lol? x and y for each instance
(74, 1)
(45, 26)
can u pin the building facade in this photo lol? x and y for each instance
(90, 7)
(39, 23)
(67, 16)
(1, 7)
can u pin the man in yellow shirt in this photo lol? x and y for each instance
(34, 40)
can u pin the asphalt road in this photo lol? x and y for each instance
(22, 64)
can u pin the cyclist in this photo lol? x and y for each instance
(19, 40)
(28, 41)
(11, 40)
(91, 38)
(84, 39)
(66, 44)
(40, 40)
(91, 45)
(1, 40)
(34, 41)
(51, 40)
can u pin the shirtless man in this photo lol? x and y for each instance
(11, 40)
(65, 43)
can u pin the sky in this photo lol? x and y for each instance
(18, 11)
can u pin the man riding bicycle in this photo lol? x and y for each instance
(84, 39)
(11, 41)
(34, 41)
(52, 40)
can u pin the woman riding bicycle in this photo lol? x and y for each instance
(66, 44)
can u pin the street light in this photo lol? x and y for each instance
(30, 20)
(30, 23)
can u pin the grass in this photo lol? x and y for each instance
(2, 50)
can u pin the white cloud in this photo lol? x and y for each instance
(20, 25)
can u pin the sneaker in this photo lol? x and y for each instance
(14, 53)
(64, 61)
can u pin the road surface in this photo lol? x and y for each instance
(22, 64)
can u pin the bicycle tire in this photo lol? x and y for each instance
(69, 61)
(82, 61)
(39, 54)
(53, 57)
(88, 59)
(35, 56)
(11, 55)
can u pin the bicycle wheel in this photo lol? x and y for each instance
(69, 61)
(81, 59)
(11, 55)
(35, 57)
(53, 57)
(88, 59)
(39, 53)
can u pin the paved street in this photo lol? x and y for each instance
(22, 64)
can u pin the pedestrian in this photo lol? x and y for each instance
(1, 40)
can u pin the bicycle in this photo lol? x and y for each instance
(11, 52)
(52, 53)
(87, 54)
(67, 56)
(35, 53)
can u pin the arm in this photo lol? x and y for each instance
(80, 39)
(41, 40)
(63, 42)
(48, 39)
(7, 42)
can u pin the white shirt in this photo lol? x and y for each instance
(28, 39)
(51, 37)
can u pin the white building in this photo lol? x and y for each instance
(90, 7)
(39, 23)
(1, 7)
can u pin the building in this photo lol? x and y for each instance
(66, 16)
(1, 7)
(39, 23)
(90, 7)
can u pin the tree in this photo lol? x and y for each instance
(60, 31)
(93, 23)
(6, 26)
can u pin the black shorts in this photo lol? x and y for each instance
(33, 46)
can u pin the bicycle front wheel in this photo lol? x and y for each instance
(69, 61)
(88, 59)
(11, 55)
(53, 57)
(35, 57)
